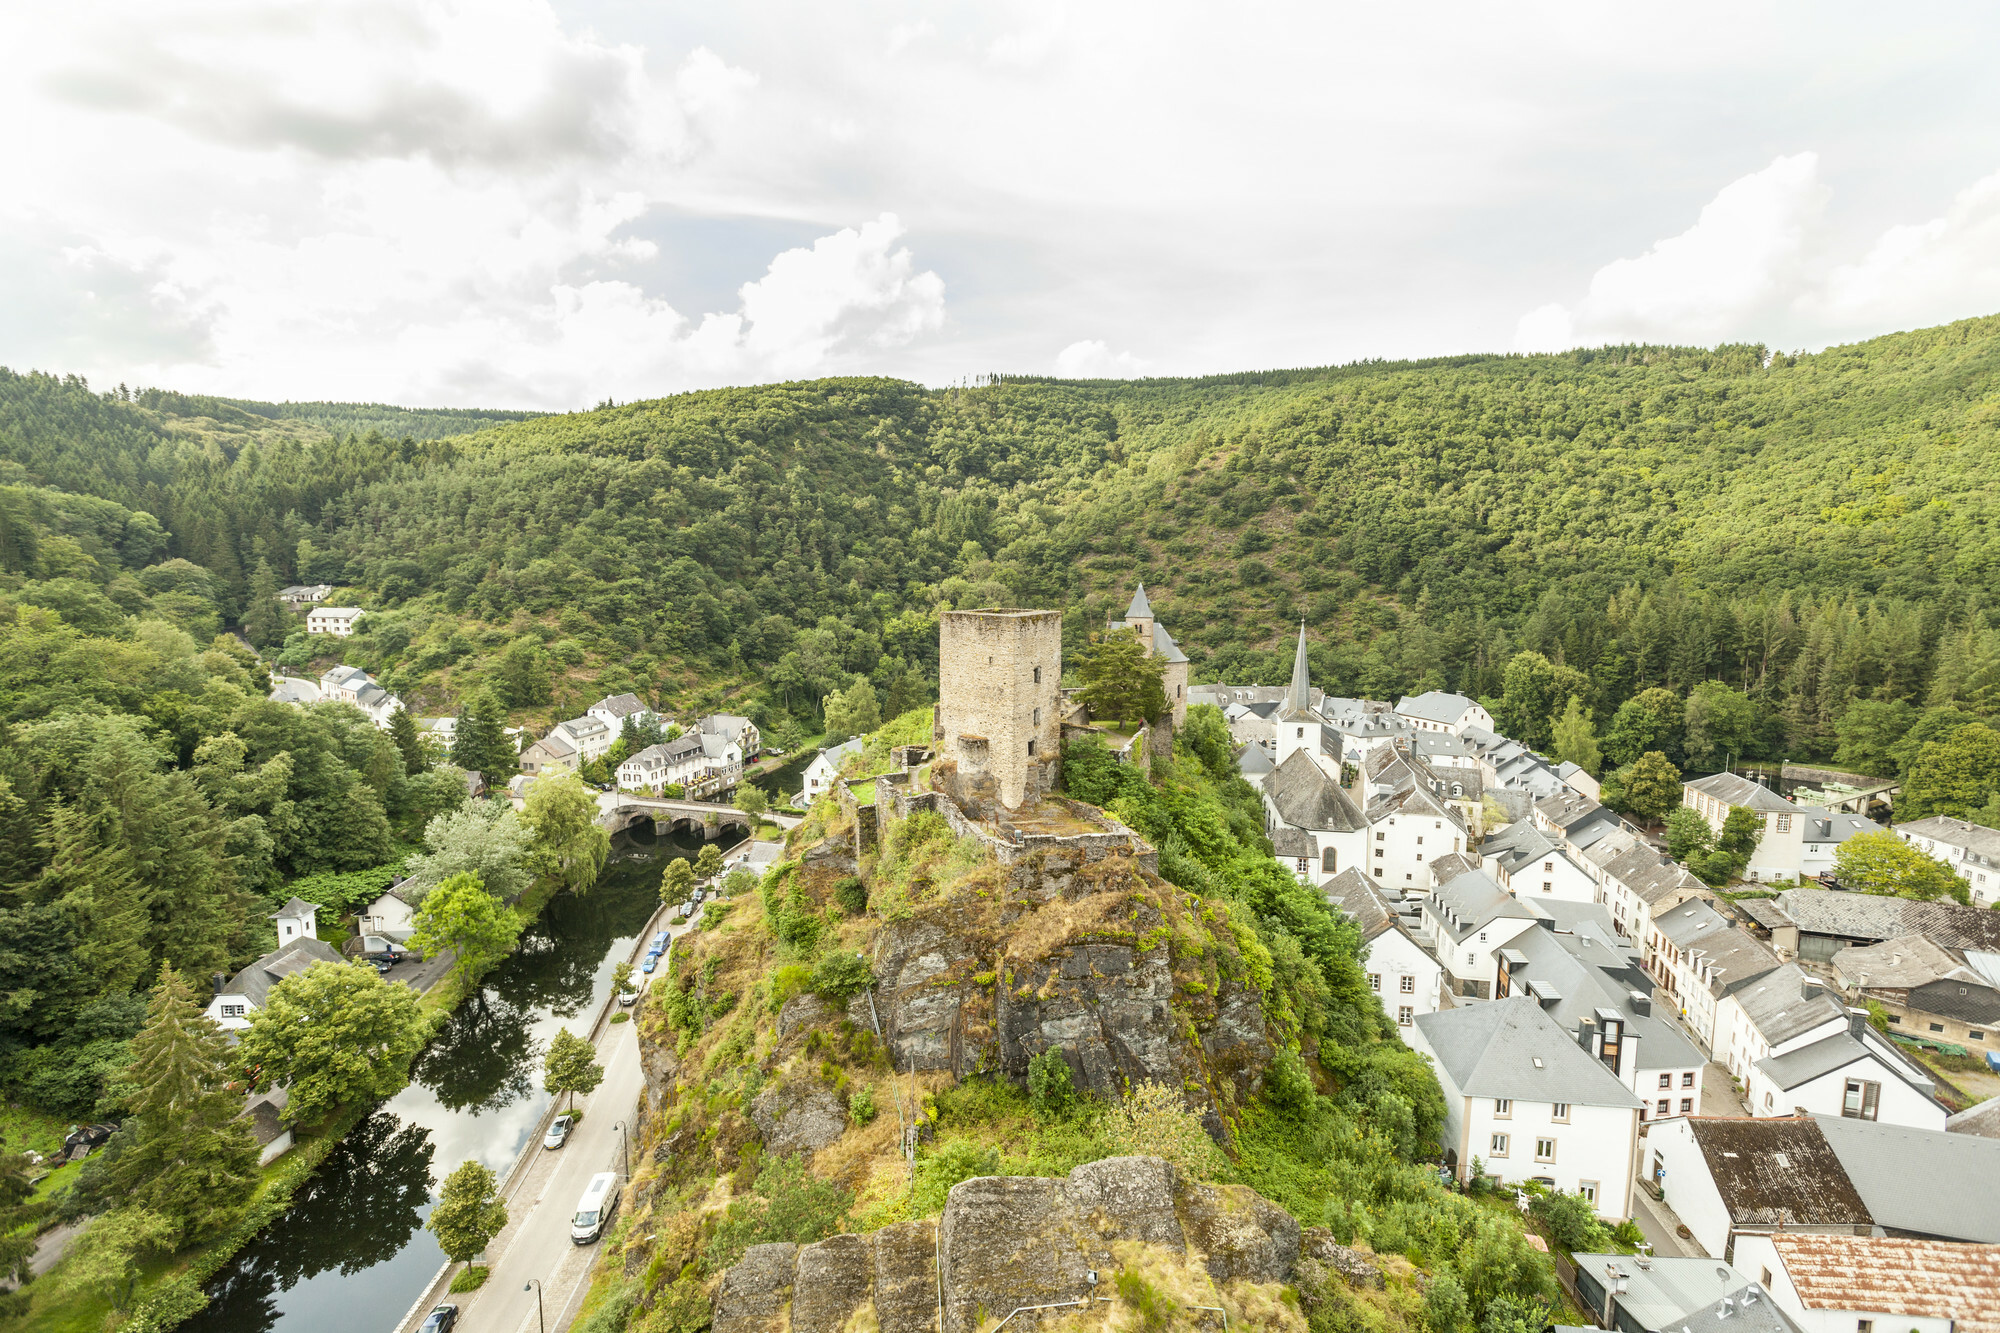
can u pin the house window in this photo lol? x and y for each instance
(1375, 982)
(232, 1011)
(1765, 1279)
(1545, 1150)
(1420, 858)
(1471, 959)
(1548, 867)
(1405, 1015)
(1503, 1106)
(1862, 1100)
(1937, 1027)
(1660, 1108)
(1687, 1080)
(1588, 1189)
(1864, 1326)
(1482, 937)
(1548, 886)
(1329, 860)
(1559, 1111)
(1378, 852)
(1687, 1106)
(1304, 864)
(1895, 1018)
(1380, 837)
(1407, 985)
(1666, 1080)
(1497, 1146)
(1784, 823)
(1971, 1035)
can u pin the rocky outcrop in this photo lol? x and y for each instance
(798, 1118)
(1352, 1266)
(820, 1288)
(1006, 1242)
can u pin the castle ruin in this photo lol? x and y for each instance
(998, 733)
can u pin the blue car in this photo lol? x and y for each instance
(652, 961)
(660, 942)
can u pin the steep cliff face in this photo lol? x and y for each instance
(1007, 1242)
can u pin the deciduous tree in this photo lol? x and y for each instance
(571, 1065)
(332, 1034)
(566, 843)
(1575, 741)
(483, 839)
(676, 881)
(708, 862)
(1883, 863)
(1954, 777)
(1653, 787)
(469, 1213)
(1121, 681)
(853, 711)
(460, 916)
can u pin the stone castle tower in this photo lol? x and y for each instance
(1139, 619)
(999, 681)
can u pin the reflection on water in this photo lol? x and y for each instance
(352, 1252)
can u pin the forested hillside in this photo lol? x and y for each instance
(1809, 531)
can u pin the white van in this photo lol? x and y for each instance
(594, 1210)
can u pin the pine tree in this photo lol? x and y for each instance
(403, 731)
(18, 1208)
(264, 620)
(481, 745)
(90, 874)
(191, 1158)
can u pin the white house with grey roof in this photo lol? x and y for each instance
(1678, 1294)
(339, 621)
(553, 753)
(1529, 1103)
(237, 997)
(352, 685)
(1794, 841)
(1528, 863)
(1441, 710)
(824, 770)
(1466, 920)
(1593, 987)
(1971, 850)
(591, 736)
(1637, 882)
(1316, 830)
(1401, 973)
(613, 709)
(734, 729)
(1699, 956)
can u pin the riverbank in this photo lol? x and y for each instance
(351, 1197)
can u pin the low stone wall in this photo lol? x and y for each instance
(1010, 844)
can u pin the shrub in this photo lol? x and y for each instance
(787, 980)
(738, 882)
(839, 977)
(1572, 1222)
(944, 1166)
(789, 1205)
(861, 1104)
(1050, 1090)
(621, 1018)
(852, 895)
(1288, 1086)
(471, 1278)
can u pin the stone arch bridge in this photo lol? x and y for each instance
(618, 811)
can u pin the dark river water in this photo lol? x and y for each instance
(352, 1253)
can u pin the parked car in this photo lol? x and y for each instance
(595, 1209)
(441, 1320)
(660, 942)
(381, 965)
(558, 1134)
(628, 998)
(652, 961)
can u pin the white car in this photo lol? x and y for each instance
(558, 1132)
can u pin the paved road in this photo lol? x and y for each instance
(537, 1244)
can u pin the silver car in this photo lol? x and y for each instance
(558, 1132)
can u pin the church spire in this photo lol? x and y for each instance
(1141, 609)
(1299, 698)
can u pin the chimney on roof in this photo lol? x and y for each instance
(220, 981)
(1640, 1004)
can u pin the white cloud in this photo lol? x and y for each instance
(1091, 359)
(1743, 257)
(1946, 268)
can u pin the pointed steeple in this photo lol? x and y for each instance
(1140, 609)
(1298, 699)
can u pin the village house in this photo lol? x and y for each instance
(1140, 620)
(1440, 710)
(1387, 777)
(1401, 973)
(824, 770)
(1728, 1179)
(1793, 1047)
(1925, 989)
(613, 709)
(699, 763)
(1530, 1104)
(350, 684)
(1529, 864)
(1651, 1293)
(339, 621)
(1699, 956)
(1638, 882)
(1593, 987)
(734, 729)
(1815, 924)
(1795, 842)
(553, 753)
(591, 737)
(1832, 1283)
(1315, 830)
(1465, 921)
(1576, 821)
(391, 916)
(301, 595)
(1510, 766)
(1970, 850)
(299, 947)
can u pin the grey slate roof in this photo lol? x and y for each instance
(1872, 917)
(1777, 1172)
(1518, 845)
(1968, 1001)
(1733, 956)
(1982, 1119)
(1254, 761)
(1307, 798)
(1453, 864)
(297, 906)
(1589, 974)
(1298, 699)
(1809, 1062)
(1353, 893)
(1287, 841)
(1672, 1292)
(621, 706)
(1982, 842)
(1898, 1171)
(1440, 706)
(255, 981)
(1140, 608)
(1786, 1002)
(1475, 900)
(1731, 789)
(1510, 1048)
(1648, 873)
(1898, 964)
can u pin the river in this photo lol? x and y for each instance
(352, 1254)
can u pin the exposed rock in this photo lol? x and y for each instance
(801, 1012)
(1352, 1265)
(658, 1065)
(798, 1118)
(1011, 1241)
(754, 1293)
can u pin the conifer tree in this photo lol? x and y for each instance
(18, 1208)
(264, 620)
(90, 874)
(403, 731)
(190, 1158)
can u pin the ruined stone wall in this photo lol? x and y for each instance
(998, 714)
(1176, 683)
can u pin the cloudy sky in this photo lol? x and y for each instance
(543, 203)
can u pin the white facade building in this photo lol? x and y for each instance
(824, 770)
(1465, 921)
(1440, 710)
(338, 621)
(236, 998)
(350, 684)
(1838, 1284)
(1400, 971)
(1794, 841)
(1970, 850)
(1523, 1098)
(1528, 863)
